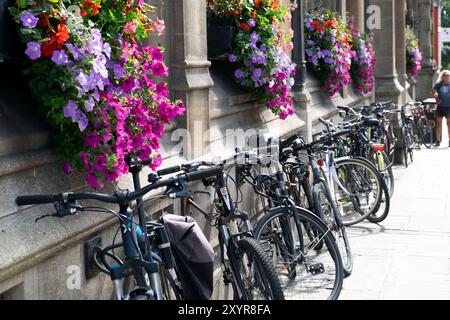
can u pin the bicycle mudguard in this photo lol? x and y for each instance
(345, 158)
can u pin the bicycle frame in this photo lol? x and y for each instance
(229, 231)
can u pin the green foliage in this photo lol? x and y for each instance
(446, 13)
(446, 56)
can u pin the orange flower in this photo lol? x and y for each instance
(275, 5)
(245, 26)
(62, 35)
(56, 41)
(317, 26)
(332, 23)
(254, 14)
(257, 4)
(92, 5)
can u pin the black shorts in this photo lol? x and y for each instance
(443, 112)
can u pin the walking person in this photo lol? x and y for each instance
(441, 92)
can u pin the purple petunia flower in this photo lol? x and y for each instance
(118, 71)
(82, 121)
(254, 38)
(73, 50)
(71, 110)
(59, 57)
(89, 105)
(232, 58)
(257, 73)
(252, 22)
(28, 20)
(239, 74)
(33, 50)
(91, 140)
(67, 169)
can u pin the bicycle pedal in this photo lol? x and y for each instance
(316, 269)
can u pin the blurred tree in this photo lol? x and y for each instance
(446, 56)
(446, 13)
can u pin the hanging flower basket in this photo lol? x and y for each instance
(260, 57)
(363, 62)
(329, 49)
(413, 54)
(104, 96)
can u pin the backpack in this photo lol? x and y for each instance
(193, 255)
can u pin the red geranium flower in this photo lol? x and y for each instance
(245, 26)
(56, 41)
(43, 21)
(88, 4)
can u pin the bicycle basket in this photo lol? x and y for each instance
(194, 256)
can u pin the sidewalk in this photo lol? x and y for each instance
(407, 256)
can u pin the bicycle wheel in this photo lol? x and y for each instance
(358, 189)
(410, 140)
(325, 210)
(427, 133)
(383, 210)
(256, 275)
(405, 145)
(308, 272)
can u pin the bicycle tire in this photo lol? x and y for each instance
(295, 275)
(427, 134)
(411, 143)
(384, 207)
(405, 147)
(264, 273)
(359, 211)
(327, 214)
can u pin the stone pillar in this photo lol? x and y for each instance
(190, 79)
(356, 9)
(424, 22)
(386, 79)
(400, 50)
(301, 96)
(387, 85)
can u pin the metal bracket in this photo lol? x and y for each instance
(90, 268)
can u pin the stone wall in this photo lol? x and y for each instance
(37, 259)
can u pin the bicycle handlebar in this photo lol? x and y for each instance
(130, 196)
(169, 170)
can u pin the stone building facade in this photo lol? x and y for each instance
(42, 260)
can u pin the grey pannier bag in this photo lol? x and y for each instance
(194, 256)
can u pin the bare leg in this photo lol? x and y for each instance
(448, 128)
(438, 129)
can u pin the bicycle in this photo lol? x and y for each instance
(143, 265)
(423, 127)
(302, 247)
(247, 266)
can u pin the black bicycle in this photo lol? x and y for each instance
(143, 265)
(245, 265)
(301, 246)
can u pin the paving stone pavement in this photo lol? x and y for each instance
(407, 256)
